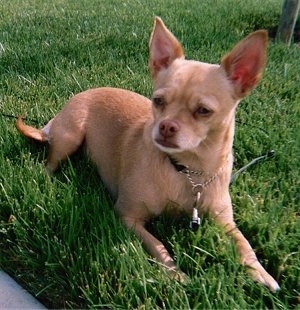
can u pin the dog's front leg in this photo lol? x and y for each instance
(247, 255)
(249, 259)
(154, 247)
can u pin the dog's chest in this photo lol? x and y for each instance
(176, 193)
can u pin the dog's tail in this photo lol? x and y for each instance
(31, 132)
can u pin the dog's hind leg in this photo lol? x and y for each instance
(64, 138)
(61, 147)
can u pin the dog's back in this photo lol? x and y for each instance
(88, 117)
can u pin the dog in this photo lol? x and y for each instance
(174, 151)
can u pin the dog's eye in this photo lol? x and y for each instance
(158, 102)
(202, 111)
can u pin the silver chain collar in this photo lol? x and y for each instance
(197, 190)
(198, 187)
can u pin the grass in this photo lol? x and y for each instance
(59, 236)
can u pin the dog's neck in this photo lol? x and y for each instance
(211, 155)
(200, 167)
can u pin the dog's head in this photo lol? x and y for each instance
(193, 101)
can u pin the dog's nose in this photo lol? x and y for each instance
(168, 128)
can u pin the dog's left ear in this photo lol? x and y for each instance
(164, 48)
(244, 65)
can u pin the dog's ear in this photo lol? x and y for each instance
(164, 48)
(244, 65)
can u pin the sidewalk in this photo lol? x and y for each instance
(13, 296)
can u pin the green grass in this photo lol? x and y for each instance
(59, 236)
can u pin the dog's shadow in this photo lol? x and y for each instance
(80, 173)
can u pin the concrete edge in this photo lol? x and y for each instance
(13, 296)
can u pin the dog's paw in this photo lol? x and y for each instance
(260, 275)
(179, 276)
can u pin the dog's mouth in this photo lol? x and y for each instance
(166, 144)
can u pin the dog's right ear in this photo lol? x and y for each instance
(164, 48)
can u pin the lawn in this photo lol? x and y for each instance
(59, 236)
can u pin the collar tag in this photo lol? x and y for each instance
(195, 222)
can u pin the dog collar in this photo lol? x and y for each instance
(197, 188)
(176, 165)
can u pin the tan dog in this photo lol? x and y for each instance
(174, 152)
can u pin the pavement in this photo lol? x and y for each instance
(13, 296)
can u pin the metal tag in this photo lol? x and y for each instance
(195, 222)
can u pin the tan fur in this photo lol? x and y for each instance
(191, 119)
(31, 132)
